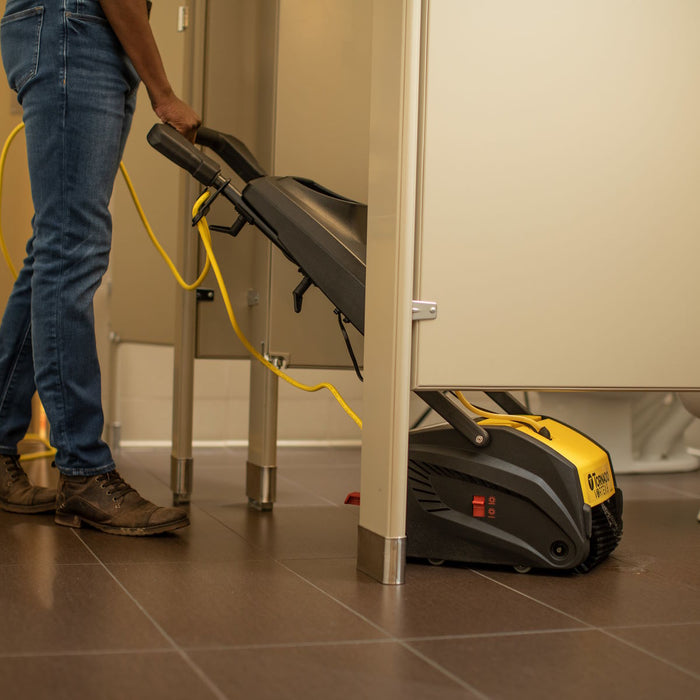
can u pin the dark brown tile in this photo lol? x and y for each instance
(433, 601)
(613, 594)
(678, 644)
(343, 671)
(332, 485)
(217, 474)
(206, 539)
(69, 607)
(295, 532)
(568, 665)
(651, 487)
(662, 538)
(143, 676)
(37, 539)
(245, 602)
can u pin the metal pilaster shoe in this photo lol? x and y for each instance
(17, 494)
(108, 503)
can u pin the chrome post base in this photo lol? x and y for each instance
(382, 558)
(261, 486)
(181, 478)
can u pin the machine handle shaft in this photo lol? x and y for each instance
(180, 151)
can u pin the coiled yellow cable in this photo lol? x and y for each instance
(156, 243)
(507, 419)
(205, 235)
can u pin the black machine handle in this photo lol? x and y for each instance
(232, 151)
(449, 408)
(174, 146)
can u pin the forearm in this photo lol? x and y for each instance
(129, 21)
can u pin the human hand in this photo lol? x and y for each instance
(178, 114)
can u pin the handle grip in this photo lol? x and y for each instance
(174, 146)
(232, 151)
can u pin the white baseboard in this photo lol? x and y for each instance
(209, 444)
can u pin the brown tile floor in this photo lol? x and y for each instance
(270, 605)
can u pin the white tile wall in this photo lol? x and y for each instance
(145, 376)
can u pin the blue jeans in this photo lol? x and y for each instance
(77, 89)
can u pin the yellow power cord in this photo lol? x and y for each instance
(211, 263)
(507, 419)
(3, 158)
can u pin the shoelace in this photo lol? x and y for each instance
(115, 485)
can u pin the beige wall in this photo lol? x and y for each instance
(221, 400)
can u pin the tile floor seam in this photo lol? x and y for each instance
(283, 478)
(208, 682)
(651, 654)
(243, 537)
(456, 679)
(487, 635)
(535, 600)
(649, 625)
(84, 652)
(691, 495)
(288, 645)
(602, 630)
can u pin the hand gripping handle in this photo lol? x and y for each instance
(174, 146)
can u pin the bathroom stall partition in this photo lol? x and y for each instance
(531, 171)
(291, 79)
(534, 175)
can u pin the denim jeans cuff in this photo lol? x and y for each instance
(87, 471)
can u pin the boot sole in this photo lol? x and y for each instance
(76, 521)
(36, 508)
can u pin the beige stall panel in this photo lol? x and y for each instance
(238, 99)
(322, 133)
(560, 221)
(143, 288)
(294, 86)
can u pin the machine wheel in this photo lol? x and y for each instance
(521, 569)
(436, 562)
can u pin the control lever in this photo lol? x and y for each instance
(299, 292)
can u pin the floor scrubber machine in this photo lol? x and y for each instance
(484, 488)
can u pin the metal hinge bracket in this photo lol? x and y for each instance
(424, 310)
(183, 18)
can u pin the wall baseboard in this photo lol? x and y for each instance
(209, 444)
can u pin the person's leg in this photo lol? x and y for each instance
(77, 105)
(99, 97)
(20, 43)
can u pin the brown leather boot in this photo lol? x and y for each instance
(16, 493)
(108, 503)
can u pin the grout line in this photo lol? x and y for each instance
(653, 625)
(186, 658)
(83, 652)
(603, 630)
(690, 495)
(678, 667)
(390, 637)
(281, 477)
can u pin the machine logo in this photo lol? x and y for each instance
(600, 484)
